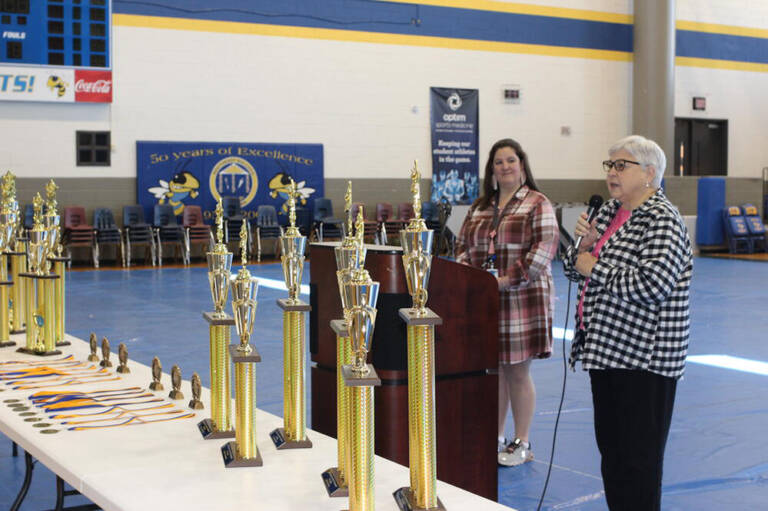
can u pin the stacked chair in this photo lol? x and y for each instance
(108, 233)
(755, 226)
(233, 221)
(267, 227)
(370, 227)
(736, 231)
(137, 233)
(169, 232)
(196, 232)
(304, 221)
(326, 226)
(389, 226)
(77, 233)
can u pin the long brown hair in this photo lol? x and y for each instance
(488, 192)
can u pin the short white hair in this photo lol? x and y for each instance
(646, 151)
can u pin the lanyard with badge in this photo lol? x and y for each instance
(490, 262)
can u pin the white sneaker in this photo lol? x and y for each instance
(502, 444)
(516, 453)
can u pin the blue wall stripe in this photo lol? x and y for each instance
(721, 46)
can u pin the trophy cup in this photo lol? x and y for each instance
(361, 296)
(219, 425)
(416, 241)
(39, 291)
(243, 451)
(8, 218)
(18, 257)
(51, 222)
(350, 256)
(293, 434)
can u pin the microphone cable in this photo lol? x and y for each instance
(562, 396)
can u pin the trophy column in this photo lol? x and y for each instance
(219, 425)
(40, 306)
(60, 297)
(5, 317)
(18, 266)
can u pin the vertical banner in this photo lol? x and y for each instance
(184, 173)
(454, 145)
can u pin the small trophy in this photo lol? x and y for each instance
(94, 345)
(219, 425)
(17, 302)
(416, 241)
(8, 219)
(105, 353)
(122, 356)
(176, 383)
(51, 222)
(361, 295)
(196, 404)
(157, 373)
(243, 451)
(293, 434)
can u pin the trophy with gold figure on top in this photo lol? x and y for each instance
(219, 259)
(416, 241)
(293, 434)
(51, 221)
(17, 252)
(243, 451)
(9, 210)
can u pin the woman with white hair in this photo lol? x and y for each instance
(634, 272)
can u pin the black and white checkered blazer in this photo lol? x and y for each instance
(636, 307)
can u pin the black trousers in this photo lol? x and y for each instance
(633, 410)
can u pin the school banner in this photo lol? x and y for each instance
(185, 173)
(454, 125)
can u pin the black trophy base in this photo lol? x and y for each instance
(280, 439)
(406, 501)
(28, 351)
(208, 430)
(7, 344)
(63, 343)
(333, 483)
(232, 460)
(21, 331)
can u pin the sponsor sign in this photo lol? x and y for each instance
(54, 85)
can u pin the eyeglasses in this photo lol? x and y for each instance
(619, 165)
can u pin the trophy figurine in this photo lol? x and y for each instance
(196, 404)
(361, 295)
(293, 434)
(105, 352)
(219, 425)
(51, 222)
(93, 343)
(350, 256)
(176, 383)
(243, 451)
(122, 356)
(8, 219)
(157, 373)
(416, 241)
(39, 290)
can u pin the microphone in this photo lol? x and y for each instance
(594, 205)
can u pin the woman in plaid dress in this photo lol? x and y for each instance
(512, 231)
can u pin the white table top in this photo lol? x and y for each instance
(169, 465)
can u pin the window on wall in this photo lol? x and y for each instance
(93, 148)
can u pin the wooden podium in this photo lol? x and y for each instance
(466, 362)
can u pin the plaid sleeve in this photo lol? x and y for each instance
(662, 257)
(462, 250)
(544, 238)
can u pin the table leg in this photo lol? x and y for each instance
(29, 462)
(14, 449)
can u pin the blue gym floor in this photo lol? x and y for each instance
(717, 453)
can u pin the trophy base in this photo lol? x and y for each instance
(105, 363)
(406, 501)
(280, 439)
(196, 404)
(93, 358)
(354, 379)
(232, 460)
(63, 343)
(7, 344)
(333, 483)
(20, 331)
(156, 386)
(122, 369)
(289, 305)
(176, 395)
(340, 327)
(208, 430)
(28, 351)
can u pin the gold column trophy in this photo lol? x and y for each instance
(219, 425)
(350, 256)
(16, 251)
(39, 291)
(416, 241)
(243, 451)
(8, 217)
(51, 222)
(293, 434)
(361, 296)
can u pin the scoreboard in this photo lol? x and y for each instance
(69, 33)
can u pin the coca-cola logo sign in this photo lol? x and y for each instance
(99, 86)
(93, 86)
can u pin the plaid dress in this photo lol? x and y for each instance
(526, 242)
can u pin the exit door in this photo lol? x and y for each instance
(701, 147)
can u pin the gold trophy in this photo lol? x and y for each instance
(293, 434)
(17, 253)
(39, 291)
(219, 425)
(361, 296)
(8, 218)
(51, 222)
(243, 451)
(416, 241)
(350, 256)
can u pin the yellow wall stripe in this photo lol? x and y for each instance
(713, 28)
(520, 8)
(232, 27)
(731, 65)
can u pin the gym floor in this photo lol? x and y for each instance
(717, 453)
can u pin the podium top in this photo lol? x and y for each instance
(297, 306)
(412, 317)
(238, 356)
(216, 321)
